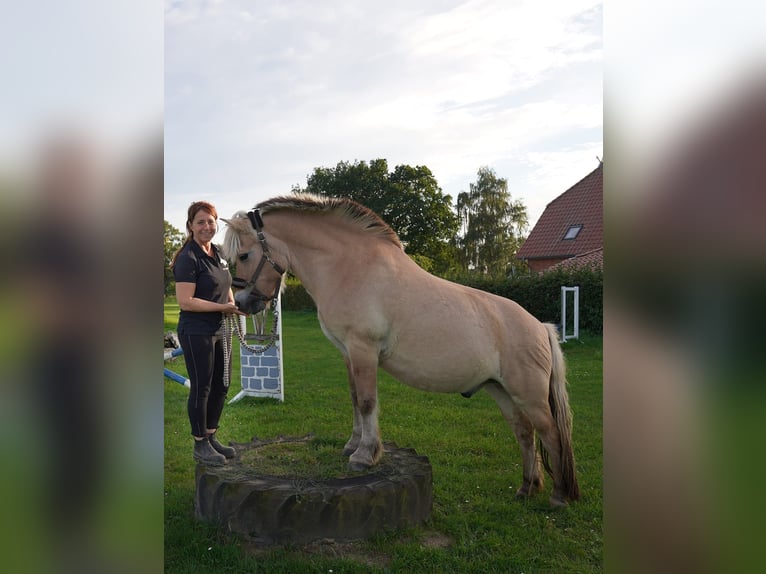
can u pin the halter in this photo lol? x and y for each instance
(257, 222)
(232, 323)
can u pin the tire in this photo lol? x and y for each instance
(269, 510)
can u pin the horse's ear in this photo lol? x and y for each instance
(233, 222)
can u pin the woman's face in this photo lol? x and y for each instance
(203, 226)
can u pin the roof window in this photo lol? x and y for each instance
(572, 232)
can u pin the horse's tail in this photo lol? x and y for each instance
(558, 398)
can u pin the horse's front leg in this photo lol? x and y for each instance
(356, 434)
(363, 380)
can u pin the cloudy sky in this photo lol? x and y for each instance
(258, 94)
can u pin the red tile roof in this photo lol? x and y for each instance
(593, 259)
(581, 204)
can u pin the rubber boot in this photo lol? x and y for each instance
(226, 451)
(206, 454)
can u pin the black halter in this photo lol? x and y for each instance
(257, 222)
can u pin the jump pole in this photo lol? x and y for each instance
(177, 378)
(169, 354)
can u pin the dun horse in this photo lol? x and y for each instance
(378, 307)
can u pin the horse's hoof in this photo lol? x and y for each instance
(529, 488)
(557, 502)
(358, 466)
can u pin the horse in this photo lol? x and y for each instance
(379, 308)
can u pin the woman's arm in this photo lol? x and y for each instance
(188, 302)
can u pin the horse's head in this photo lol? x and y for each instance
(259, 276)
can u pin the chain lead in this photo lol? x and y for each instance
(232, 325)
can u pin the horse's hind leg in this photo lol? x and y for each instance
(525, 435)
(546, 428)
(533, 477)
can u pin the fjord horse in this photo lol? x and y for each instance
(378, 307)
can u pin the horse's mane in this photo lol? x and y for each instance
(348, 209)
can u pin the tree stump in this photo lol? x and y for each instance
(283, 497)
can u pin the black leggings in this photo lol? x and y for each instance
(204, 362)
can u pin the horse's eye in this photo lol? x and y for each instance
(243, 257)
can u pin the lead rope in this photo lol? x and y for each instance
(232, 325)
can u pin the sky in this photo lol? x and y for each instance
(258, 94)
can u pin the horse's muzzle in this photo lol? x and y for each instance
(249, 303)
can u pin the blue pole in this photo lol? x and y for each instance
(177, 378)
(174, 353)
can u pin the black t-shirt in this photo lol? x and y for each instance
(213, 282)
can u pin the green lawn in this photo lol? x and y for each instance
(476, 525)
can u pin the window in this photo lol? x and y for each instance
(572, 231)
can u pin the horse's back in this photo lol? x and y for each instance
(449, 337)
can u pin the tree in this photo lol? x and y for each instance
(409, 199)
(173, 241)
(491, 225)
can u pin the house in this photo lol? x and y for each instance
(571, 229)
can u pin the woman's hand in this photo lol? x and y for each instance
(231, 309)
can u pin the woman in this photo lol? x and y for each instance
(203, 290)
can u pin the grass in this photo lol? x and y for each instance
(312, 458)
(476, 524)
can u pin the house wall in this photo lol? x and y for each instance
(537, 265)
